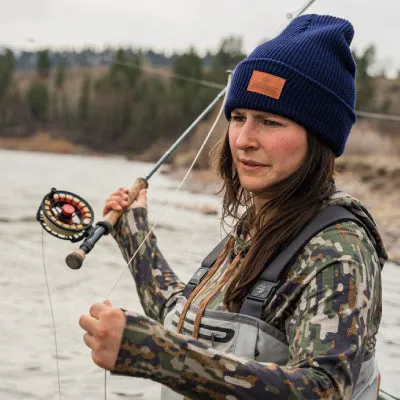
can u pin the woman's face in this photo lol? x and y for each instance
(266, 148)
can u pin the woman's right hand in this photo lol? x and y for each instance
(118, 201)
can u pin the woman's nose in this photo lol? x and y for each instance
(247, 136)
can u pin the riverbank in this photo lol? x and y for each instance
(375, 180)
(41, 141)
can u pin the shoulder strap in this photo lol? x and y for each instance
(268, 283)
(206, 264)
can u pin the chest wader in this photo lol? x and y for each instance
(245, 333)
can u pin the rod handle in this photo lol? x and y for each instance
(75, 259)
(113, 216)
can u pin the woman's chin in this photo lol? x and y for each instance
(254, 188)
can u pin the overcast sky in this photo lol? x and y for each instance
(177, 24)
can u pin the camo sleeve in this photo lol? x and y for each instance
(157, 285)
(326, 333)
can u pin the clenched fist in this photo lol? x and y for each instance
(104, 329)
(118, 201)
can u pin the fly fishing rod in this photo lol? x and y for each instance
(68, 216)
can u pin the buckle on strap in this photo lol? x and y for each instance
(263, 291)
(260, 295)
(199, 275)
(195, 280)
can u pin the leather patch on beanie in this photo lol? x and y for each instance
(266, 84)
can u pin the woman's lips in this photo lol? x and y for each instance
(251, 165)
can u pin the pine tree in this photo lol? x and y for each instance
(84, 99)
(43, 64)
(364, 79)
(38, 100)
(60, 74)
(6, 71)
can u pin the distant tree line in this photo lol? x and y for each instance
(120, 107)
(90, 57)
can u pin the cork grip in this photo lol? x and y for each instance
(113, 216)
(75, 259)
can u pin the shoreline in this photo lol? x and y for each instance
(41, 141)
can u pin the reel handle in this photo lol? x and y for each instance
(75, 259)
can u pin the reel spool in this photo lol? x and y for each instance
(65, 215)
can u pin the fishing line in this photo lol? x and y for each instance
(171, 75)
(169, 203)
(105, 384)
(216, 85)
(302, 10)
(52, 315)
(210, 84)
(168, 206)
(386, 117)
(390, 395)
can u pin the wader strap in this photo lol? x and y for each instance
(265, 288)
(206, 264)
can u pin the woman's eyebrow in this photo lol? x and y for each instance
(265, 115)
(257, 115)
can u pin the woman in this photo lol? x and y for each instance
(290, 108)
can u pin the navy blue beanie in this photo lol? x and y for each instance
(306, 74)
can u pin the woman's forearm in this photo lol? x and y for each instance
(198, 371)
(157, 285)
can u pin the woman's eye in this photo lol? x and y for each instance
(269, 122)
(237, 118)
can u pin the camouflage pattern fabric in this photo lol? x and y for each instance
(157, 285)
(329, 309)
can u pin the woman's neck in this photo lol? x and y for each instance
(259, 203)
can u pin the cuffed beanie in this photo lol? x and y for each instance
(306, 74)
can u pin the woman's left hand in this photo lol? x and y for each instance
(104, 329)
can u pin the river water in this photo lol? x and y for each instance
(27, 350)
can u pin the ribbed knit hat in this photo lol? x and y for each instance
(306, 74)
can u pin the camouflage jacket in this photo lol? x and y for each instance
(329, 309)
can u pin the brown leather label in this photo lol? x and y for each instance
(266, 84)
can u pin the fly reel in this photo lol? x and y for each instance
(65, 215)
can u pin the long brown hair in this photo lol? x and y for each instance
(292, 203)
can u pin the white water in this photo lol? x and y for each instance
(27, 362)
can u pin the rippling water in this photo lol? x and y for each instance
(28, 361)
